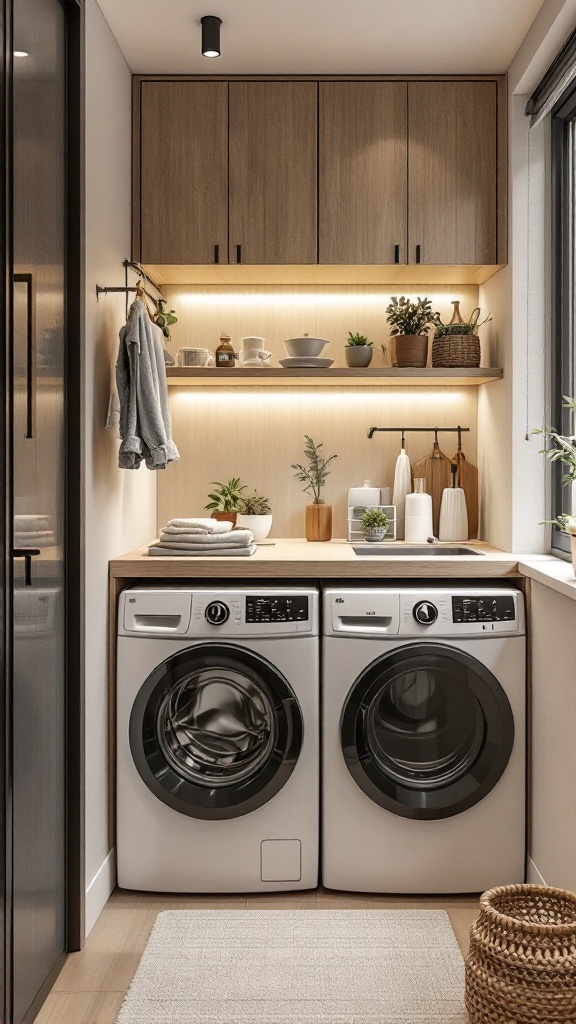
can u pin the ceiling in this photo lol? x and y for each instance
(323, 36)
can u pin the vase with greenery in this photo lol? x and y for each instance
(358, 350)
(410, 323)
(563, 449)
(318, 514)
(224, 500)
(374, 524)
(255, 514)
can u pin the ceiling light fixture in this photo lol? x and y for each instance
(210, 35)
(21, 53)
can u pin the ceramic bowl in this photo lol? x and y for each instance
(305, 346)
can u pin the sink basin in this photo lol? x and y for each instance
(392, 550)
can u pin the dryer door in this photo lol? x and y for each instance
(426, 731)
(215, 731)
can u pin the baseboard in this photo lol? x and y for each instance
(99, 890)
(532, 874)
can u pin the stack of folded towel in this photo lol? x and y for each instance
(33, 532)
(202, 537)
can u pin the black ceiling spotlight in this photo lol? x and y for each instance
(210, 35)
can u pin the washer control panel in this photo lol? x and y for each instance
(487, 608)
(425, 613)
(281, 608)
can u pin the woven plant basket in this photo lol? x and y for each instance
(521, 968)
(456, 350)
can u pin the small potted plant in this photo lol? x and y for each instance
(224, 501)
(358, 350)
(318, 514)
(457, 343)
(374, 524)
(410, 323)
(255, 514)
(564, 450)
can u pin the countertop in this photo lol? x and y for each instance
(295, 558)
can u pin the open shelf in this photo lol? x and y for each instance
(340, 376)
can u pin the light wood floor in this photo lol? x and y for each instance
(93, 983)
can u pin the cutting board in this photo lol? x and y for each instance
(467, 479)
(435, 470)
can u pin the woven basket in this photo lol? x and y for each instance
(456, 350)
(521, 968)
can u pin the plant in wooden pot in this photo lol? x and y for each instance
(410, 322)
(358, 350)
(457, 343)
(255, 514)
(564, 450)
(225, 499)
(374, 524)
(318, 514)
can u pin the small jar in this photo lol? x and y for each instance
(225, 354)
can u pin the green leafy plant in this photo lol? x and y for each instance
(470, 326)
(226, 497)
(254, 505)
(410, 317)
(563, 445)
(314, 475)
(374, 519)
(165, 319)
(357, 339)
(565, 522)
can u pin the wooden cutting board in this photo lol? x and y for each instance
(435, 470)
(467, 479)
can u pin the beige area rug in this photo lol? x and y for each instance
(299, 967)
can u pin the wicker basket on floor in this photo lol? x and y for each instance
(456, 350)
(521, 968)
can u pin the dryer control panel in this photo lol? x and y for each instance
(487, 608)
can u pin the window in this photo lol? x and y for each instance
(563, 292)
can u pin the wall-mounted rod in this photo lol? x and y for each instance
(128, 265)
(417, 430)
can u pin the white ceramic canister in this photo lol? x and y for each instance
(418, 514)
(402, 487)
(453, 512)
(364, 496)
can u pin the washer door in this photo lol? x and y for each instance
(426, 731)
(215, 731)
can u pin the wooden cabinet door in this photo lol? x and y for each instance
(184, 172)
(452, 172)
(273, 171)
(363, 172)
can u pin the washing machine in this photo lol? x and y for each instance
(218, 739)
(423, 739)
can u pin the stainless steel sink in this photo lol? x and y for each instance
(392, 550)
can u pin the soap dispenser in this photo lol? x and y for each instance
(418, 514)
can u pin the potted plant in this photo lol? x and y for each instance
(410, 323)
(318, 514)
(225, 500)
(457, 343)
(358, 350)
(564, 450)
(255, 514)
(374, 524)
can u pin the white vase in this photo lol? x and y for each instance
(259, 525)
(402, 487)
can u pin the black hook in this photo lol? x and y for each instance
(459, 438)
(403, 438)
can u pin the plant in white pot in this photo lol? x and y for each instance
(255, 514)
(358, 350)
(374, 524)
(563, 449)
(410, 322)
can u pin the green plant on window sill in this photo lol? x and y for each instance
(563, 450)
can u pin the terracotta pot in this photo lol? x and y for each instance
(410, 350)
(318, 522)
(573, 546)
(358, 355)
(225, 517)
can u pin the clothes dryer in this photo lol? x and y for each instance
(423, 739)
(218, 739)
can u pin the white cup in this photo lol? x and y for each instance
(194, 357)
(251, 343)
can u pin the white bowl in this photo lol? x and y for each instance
(305, 346)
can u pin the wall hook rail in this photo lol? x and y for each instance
(129, 265)
(419, 430)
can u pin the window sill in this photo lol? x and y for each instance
(552, 572)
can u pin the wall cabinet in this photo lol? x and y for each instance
(331, 173)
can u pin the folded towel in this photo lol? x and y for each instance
(203, 525)
(158, 551)
(237, 539)
(33, 523)
(190, 531)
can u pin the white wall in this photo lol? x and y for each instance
(120, 506)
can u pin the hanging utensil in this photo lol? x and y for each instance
(435, 470)
(402, 487)
(467, 479)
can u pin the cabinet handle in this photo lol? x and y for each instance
(417, 254)
(238, 254)
(27, 554)
(396, 254)
(216, 254)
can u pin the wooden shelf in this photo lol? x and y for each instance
(340, 376)
(178, 275)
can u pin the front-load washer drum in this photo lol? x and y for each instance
(426, 731)
(215, 731)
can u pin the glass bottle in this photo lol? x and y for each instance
(225, 355)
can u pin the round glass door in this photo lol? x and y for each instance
(215, 731)
(427, 731)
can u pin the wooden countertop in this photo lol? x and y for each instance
(295, 558)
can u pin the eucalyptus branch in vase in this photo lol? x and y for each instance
(314, 475)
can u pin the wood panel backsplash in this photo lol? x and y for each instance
(258, 433)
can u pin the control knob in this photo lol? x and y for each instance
(217, 613)
(425, 613)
